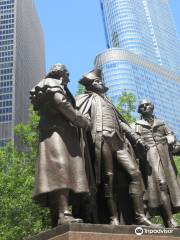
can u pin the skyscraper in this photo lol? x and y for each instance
(143, 55)
(21, 62)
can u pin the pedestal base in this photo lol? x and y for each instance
(107, 232)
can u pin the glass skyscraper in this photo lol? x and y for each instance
(21, 62)
(143, 55)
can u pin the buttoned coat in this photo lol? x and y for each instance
(89, 103)
(159, 166)
(60, 164)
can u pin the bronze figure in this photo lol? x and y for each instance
(160, 173)
(108, 138)
(60, 167)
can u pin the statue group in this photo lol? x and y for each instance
(91, 159)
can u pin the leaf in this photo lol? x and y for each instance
(19, 217)
(126, 105)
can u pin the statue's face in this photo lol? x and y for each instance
(64, 77)
(146, 108)
(98, 85)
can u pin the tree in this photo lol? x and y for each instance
(19, 217)
(126, 105)
(81, 89)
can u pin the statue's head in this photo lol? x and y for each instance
(145, 107)
(93, 81)
(59, 71)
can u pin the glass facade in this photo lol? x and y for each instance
(6, 68)
(143, 55)
(125, 71)
(21, 62)
(144, 27)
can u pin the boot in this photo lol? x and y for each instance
(167, 217)
(112, 211)
(172, 223)
(54, 217)
(67, 217)
(166, 211)
(111, 205)
(139, 211)
(114, 221)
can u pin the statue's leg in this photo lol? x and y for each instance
(54, 207)
(65, 215)
(62, 199)
(108, 183)
(135, 186)
(59, 208)
(54, 217)
(166, 210)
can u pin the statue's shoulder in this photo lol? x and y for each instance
(52, 83)
(82, 98)
(48, 85)
(140, 122)
(42, 92)
(84, 101)
(138, 126)
(158, 122)
(132, 125)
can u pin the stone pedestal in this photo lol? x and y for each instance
(107, 232)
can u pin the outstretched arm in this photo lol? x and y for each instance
(130, 134)
(66, 108)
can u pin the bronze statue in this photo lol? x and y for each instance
(160, 173)
(60, 167)
(176, 148)
(107, 131)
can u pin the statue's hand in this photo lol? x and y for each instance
(81, 120)
(142, 144)
(89, 123)
(89, 126)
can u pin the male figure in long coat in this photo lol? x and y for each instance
(60, 167)
(108, 129)
(161, 176)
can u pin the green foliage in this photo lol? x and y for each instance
(177, 161)
(19, 217)
(126, 106)
(81, 90)
(28, 133)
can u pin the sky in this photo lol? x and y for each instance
(74, 33)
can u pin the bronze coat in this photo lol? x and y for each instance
(89, 103)
(159, 164)
(60, 164)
